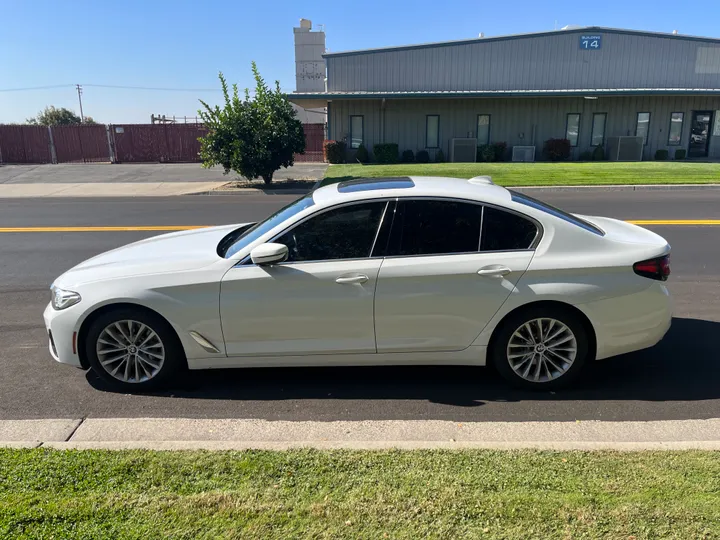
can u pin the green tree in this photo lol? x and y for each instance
(253, 137)
(53, 116)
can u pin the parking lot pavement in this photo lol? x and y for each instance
(678, 379)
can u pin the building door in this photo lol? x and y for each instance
(700, 133)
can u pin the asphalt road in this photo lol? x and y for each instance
(677, 379)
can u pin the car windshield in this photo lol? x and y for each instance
(539, 205)
(248, 236)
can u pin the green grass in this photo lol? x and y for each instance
(354, 494)
(544, 174)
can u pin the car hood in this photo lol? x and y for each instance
(173, 252)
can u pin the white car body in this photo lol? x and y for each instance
(411, 310)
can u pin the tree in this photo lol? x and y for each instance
(253, 137)
(53, 116)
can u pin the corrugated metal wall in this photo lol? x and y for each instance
(547, 62)
(513, 119)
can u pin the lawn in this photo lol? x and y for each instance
(355, 494)
(544, 174)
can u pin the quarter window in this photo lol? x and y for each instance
(432, 131)
(642, 127)
(504, 231)
(483, 129)
(343, 233)
(430, 227)
(598, 129)
(356, 131)
(676, 125)
(572, 128)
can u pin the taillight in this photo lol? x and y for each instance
(658, 268)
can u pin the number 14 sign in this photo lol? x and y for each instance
(590, 43)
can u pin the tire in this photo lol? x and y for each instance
(561, 358)
(160, 359)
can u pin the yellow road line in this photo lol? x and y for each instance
(101, 229)
(131, 228)
(675, 221)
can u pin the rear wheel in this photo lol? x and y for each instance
(541, 348)
(133, 350)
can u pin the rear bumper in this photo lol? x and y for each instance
(61, 326)
(629, 323)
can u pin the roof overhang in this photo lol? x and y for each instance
(324, 97)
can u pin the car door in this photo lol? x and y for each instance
(319, 301)
(450, 265)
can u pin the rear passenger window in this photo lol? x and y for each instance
(430, 227)
(503, 231)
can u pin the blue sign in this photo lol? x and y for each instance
(590, 43)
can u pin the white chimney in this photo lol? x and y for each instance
(309, 63)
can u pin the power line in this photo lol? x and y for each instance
(155, 88)
(36, 88)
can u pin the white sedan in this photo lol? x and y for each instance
(371, 272)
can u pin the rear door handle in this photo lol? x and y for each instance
(352, 278)
(494, 270)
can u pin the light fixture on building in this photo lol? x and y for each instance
(590, 97)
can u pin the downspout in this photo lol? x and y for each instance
(382, 121)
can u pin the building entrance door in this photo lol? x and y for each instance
(700, 133)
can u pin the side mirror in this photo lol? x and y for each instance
(269, 253)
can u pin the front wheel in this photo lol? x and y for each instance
(541, 348)
(133, 350)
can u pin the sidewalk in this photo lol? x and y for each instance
(126, 180)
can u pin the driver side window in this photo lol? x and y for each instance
(344, 233)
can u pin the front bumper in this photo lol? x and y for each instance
(62, 331)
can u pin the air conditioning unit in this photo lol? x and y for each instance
(463, 150)
(523, 153)
(625, 148)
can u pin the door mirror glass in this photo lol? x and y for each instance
(269, 253)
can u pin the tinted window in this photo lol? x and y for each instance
(344, 233)
(539, 205)
(244, 236)
(435, 227)
(502, 231)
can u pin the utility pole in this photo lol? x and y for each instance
(79, 91)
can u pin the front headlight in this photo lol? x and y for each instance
(62, 299)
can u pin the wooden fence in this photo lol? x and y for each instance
(121, 143)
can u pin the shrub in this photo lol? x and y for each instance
(587, 155)
(253, 137)
(556, 149)
(485, 153)
(599, 153)
(422, 156)
(680, 153)
(386, 152)
(500, 148)
(661, 155)
(439, 156)
(362, 154)
(408, 156)
(335, 151)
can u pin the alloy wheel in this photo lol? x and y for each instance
(542, 350)
(130, 351)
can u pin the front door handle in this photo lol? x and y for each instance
(352, 278)
(494, 270)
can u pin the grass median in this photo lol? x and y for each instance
(543, 174)
(358, 494)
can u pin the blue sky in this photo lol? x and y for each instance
(182, 44)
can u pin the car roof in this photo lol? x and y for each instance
(478, 188)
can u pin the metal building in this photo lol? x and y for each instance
(589, 85)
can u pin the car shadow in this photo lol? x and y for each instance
(684, 366)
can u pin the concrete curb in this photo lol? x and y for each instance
(548, 189)
(234, 434)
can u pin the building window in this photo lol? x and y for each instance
(483, 129)
(572, 128)
(432, 131)
(675, 131)
(356, 131)
(642, 127)
(597, 137)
